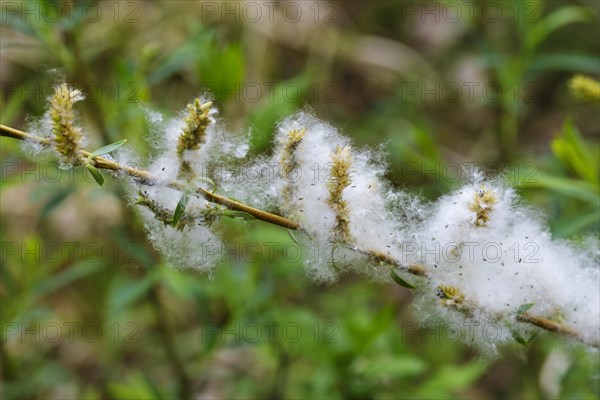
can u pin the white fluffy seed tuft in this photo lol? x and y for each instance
(488, 258)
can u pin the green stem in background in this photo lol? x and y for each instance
(165, 329)
(82, 73)
(147, 178)
(8, 369)
(553, 326)
(168, 343)
(508, 132)
(511, 93)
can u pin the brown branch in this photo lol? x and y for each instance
(149, 179)
(555, 327)
(413, 269)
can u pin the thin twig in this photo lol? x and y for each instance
(555, 327)
(168, 343)
(149, 179)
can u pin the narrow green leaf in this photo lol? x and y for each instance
(524, 307)
(564, 16)
(109, 148)
(565, 62)
(445, 380)
(533, 337)
(579, 189)
(526, 339)
(56, 199)
(64, 278)
(292, 236)
(576, 153)
(238, 214)
(399, 280)
(569, 225)
(136, 386)
(180, 209)
(206, 179)
(557, 19)
(96, 174)
(125, 292)
(519, 338)
(12, 107)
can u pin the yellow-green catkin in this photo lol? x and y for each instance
(163, 214)
(339, 180)
(585, 88)
(66, 135)
(482, 204)
(193, 134)
(160, 212)
(450, 296)
(289, 163)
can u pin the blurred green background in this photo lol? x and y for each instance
(88, 309)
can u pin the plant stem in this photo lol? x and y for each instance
(555, 327)
(168, 343)
(148, 179)
(7, 370)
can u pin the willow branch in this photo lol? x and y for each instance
(552, 326)
(147, 178)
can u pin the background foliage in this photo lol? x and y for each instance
(88, 309)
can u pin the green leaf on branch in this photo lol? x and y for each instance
(96, 174)
(181, 205)
(519, 339)
(399, 280)
(292, 236)
(522, 340)
(524, 307)
(108, 148)
(206, 179)
(238, 214)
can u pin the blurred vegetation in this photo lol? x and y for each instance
(75, 259)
